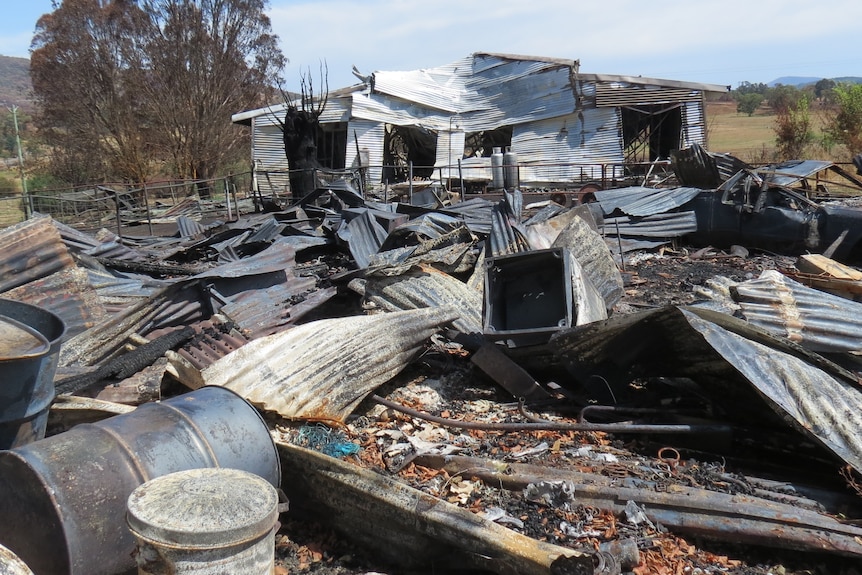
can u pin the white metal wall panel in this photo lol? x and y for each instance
(371, 136)
(693, 124)
(569, 148)
(268, 157)
(450, 147)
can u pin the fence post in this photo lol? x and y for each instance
(147, 206)
(227, 199)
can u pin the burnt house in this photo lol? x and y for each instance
(562, 125)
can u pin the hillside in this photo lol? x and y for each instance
(15, 84)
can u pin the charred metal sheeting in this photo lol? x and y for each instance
(788, 173)
(323, 369)
(265, 312)
(423, 287)
(511, 376)
(714, 515)
(593, 256)
(410, 528)
(817, 321)
(178, 304)
(189, 228)
(213, 342)
(476, 213)
(29, 251)
(639, 201)
(507, 236)
(696, 167)
(276, 258)
(665, 226)
(68, 294)
(745, 369)
(364, 235)
(453, 252)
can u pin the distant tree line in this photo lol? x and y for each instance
(839, 102)
(128, 89)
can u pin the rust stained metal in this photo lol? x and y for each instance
(269, 311)
(67, 293)
(29, 251)
(323, 369)
(818, 321)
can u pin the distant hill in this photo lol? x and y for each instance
(15, 86)
(799, 81)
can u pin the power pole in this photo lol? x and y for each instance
(14, 110)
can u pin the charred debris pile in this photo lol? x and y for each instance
(485, 385)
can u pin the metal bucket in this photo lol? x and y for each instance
(30, 340)
(63, 499)
(204, 522)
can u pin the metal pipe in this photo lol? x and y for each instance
(555, 425)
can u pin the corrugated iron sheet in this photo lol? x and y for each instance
(671, 225)
(426, 287)
(268, 311)
(748, 370)
(815, 320)
(370, 136)
(621, 94)
(365, 236)
(31, 250)
(323, 369)
(68, 294)
(640, 201)
(570, 147)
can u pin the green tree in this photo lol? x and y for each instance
(845, 125)
(748, 103)
(793, 129)
(822, 87)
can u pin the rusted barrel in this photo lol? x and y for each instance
(30, 339)
(204, 522)
(63, 499)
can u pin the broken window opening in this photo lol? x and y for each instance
(650, 133)
(406, 144)
(481, 144)
(331, 145)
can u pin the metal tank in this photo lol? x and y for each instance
(30, 339)
(63, 499)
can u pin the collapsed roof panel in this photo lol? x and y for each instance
(31, 250)
(724, 354)
(816, 320)
(323, 369)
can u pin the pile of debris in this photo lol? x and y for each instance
(483, 386)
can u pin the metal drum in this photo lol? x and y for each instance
(30, 339)
(63, 499)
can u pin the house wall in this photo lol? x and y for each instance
(371, 137)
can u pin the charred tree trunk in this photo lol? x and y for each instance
(300, 147)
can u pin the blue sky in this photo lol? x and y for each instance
(717, 42)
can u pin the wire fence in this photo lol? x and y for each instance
(118, 206)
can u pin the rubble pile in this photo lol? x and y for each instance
(482, 386)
